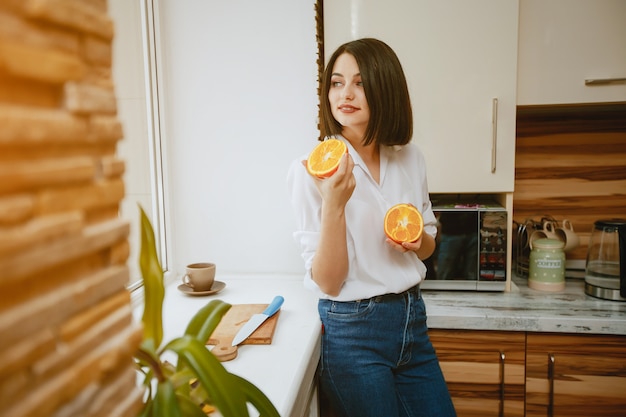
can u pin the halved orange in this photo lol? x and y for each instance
(403, 223)
(324, 160)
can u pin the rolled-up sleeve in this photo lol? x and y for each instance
(306, 203)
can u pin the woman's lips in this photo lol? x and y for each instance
(347, 108)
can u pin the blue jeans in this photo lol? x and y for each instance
(377, 359)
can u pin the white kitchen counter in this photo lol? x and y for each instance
(283, 370)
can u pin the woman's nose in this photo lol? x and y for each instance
(347, 92)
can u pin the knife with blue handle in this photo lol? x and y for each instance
(257, 320)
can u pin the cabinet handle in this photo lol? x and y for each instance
(494, 133)
(502, 357)
(551, 382)
(601, 81)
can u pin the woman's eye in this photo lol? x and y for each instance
(336, 83)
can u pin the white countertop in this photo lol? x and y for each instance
(283, 370)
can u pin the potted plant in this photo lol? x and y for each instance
(199, 378)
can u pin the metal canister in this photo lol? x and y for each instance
(546, 269)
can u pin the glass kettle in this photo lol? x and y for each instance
(605, 272)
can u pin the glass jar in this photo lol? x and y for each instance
(546, 269)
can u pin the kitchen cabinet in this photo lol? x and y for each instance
(562, 43)
(460, 59)
(575, 375)
(484, 370)
(510, 373)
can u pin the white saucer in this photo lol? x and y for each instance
(217, 287)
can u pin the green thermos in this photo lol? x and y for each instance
(546, 265)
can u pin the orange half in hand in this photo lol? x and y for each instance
(403, 223)
(324, 160)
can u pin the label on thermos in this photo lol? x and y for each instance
(549, 263)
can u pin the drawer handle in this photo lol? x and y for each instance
(502, 358)
(603, 81)
(551, 381)
(494, 133)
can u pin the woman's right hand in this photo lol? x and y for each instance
(337, 189)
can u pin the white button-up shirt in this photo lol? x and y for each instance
(374, 267)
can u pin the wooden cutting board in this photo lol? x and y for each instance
(233, 320)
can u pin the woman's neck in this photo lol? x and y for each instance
(370, 154)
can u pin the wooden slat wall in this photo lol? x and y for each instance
(67, 332)
(571, 164)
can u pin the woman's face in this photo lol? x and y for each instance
(347, 97)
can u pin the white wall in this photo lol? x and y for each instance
(240, 88)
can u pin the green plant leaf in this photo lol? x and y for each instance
(154, 290)
(181, 379)
(146, 355)
(165, 402)
(221, 386)
(204, 322)
(256, 397)
(188, 408)
(199, 395)
(148, 360)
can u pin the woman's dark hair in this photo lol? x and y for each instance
(386, 91)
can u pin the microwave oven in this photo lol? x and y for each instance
(471, 252)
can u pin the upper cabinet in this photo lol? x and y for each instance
(460, 59)
(563, 43)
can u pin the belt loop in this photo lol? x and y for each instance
(416, 290)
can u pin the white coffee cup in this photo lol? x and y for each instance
(200, 276)
(549, 228)
(548, 232)
(566, 233)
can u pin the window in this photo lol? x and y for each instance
(135, 66)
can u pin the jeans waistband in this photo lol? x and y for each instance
(413, 290)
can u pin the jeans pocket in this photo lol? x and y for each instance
(346, 310)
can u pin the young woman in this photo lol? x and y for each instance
(377, 359)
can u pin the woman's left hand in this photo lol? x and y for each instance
(423, 247)
(405, 246)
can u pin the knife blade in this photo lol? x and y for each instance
(258, 319)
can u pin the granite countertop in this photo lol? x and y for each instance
(525, 309)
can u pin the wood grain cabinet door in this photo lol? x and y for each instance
(575, 375)
(484, 370)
